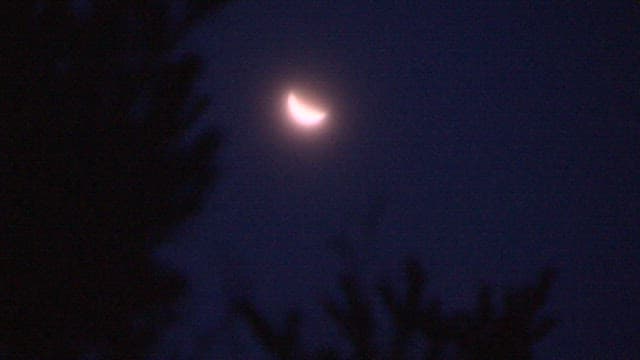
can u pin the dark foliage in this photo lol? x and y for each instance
(481, 333)
(93, 173)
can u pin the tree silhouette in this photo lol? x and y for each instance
(93, 172)
(480, 333)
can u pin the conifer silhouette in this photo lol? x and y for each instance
(479, 333)
(93, 172)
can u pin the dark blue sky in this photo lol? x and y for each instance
(501, 137)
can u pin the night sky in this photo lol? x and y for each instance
(487, 139)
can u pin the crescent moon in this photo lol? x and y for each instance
(304, 114)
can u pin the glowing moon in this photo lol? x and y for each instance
(304, 114)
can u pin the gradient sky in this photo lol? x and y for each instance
(491, 139)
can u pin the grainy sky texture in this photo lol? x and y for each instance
(489, 139)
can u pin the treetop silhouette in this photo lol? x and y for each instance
(94, 172)
(484, 332)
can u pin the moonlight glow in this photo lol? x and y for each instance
(304, 114)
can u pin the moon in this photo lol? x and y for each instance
(304, 114)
